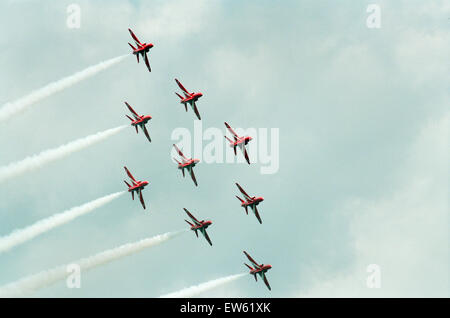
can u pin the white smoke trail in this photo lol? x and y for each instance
(11, 108)
(22, 235)
(45, 278)
(198, 289)
(46, 156)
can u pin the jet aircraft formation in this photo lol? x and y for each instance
(185, 163)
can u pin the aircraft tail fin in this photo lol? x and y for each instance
(129, 117)
(127, 184)
(242, 201)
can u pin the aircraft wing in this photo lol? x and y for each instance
(266, 281)
(181, 97)
(181, 86)
(251, 268)
(192, 217)
(142, 199)
(243, 191)
(251, 260)
(231, 130)
(129, 174)
(147, 62)
(136, 115)
(191, 170)
(179, 151)
(146, 133)
(207, 237)
(229, 140)
(134, 49)
(257, 214)
(196, 111)
(135, 37)
(244, 150)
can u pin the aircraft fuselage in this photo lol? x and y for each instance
(193, 97)
(140, 186)
(143, 120)
(254, 201)
(189, 163)
(143, 49)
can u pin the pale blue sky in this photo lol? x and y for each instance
(362, 113)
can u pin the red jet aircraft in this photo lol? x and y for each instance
(189, 98)
(139, 121)
(199, 226)
(186, 163)
(258, 270)
(251, 202)
(137, 186)
(142, 49)
(240, 142)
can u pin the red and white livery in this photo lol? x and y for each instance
(186, 163)
(189, 98)
(238, 141)
(141, 49)
(199, 226)
(250, 201)
(260, 269)
(137, 186)
(139, 121)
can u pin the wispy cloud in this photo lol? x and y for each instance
(404, 232)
